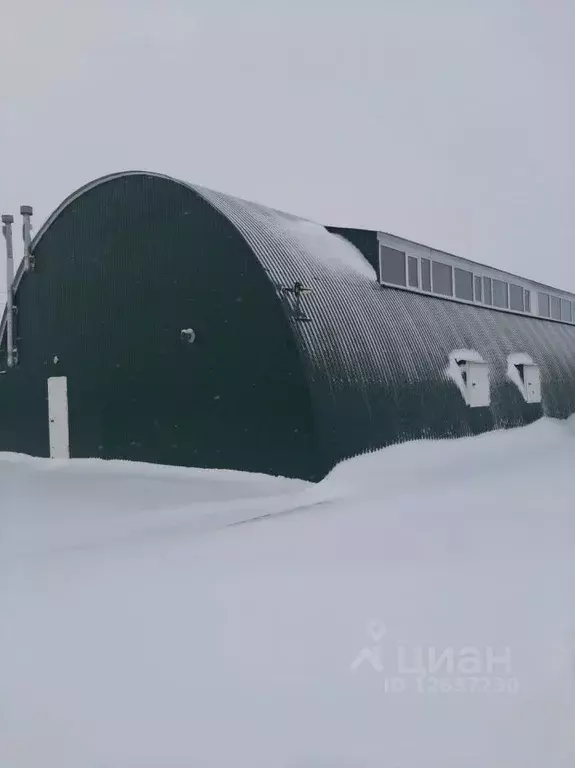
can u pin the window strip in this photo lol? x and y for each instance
(427, 275)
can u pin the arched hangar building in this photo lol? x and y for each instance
(163, 322)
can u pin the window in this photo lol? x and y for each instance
(516, 298)
(500, 298)
(457, 279)
(426, 275)
(392, 265)
(442, 278)
(463, 284)
(412, 272)
(478, 291)
(543, 299)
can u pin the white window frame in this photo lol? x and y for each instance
(408, 256)
(415, 250)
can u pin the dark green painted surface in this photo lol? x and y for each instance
(129, 265)
(131, 260)
(364, 240)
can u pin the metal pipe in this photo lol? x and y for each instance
(7, 221)
(26, 212)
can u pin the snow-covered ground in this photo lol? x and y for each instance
(414, 610)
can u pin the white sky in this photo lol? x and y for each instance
(451, 122)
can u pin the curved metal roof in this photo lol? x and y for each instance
(367, 343)
(254, 222)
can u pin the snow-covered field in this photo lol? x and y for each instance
(414, 610)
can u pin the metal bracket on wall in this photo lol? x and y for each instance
(15, 356)
(297, 291)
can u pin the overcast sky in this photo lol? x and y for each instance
(451, 122)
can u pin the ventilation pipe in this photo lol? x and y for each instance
(26, 212)
(7, 221)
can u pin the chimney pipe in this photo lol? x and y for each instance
(7, 221)
(26, 211)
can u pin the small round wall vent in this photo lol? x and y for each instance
(188, 334)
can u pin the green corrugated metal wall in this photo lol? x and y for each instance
(129, 261)
(129, 265)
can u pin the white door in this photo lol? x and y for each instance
(477, 384)
(532, 379)
(58, 416)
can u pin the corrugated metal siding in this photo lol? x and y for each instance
(374, 358)
(123, 269)
(377, 357)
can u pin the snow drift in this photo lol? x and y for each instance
(414, 609)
